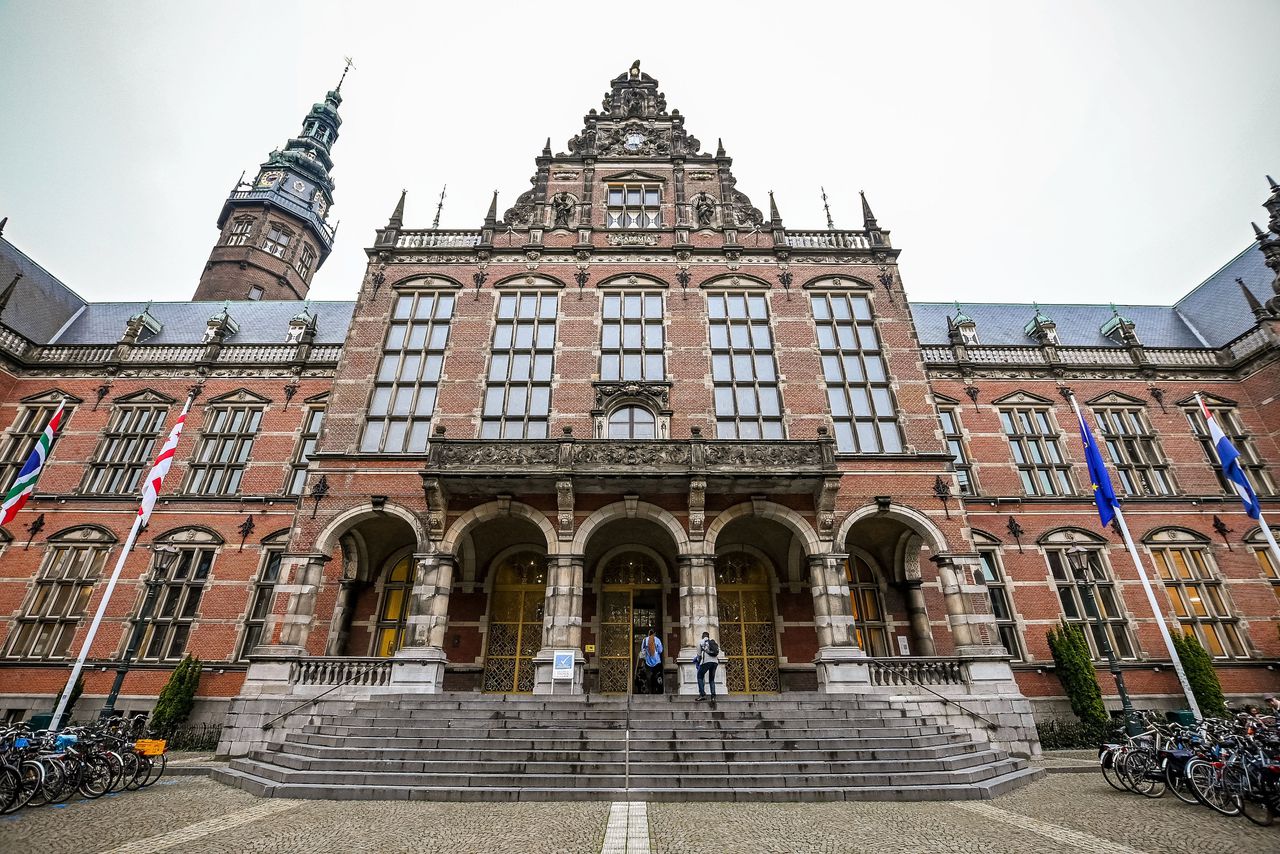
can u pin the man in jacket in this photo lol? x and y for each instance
(707, 661)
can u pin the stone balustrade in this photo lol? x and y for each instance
(329, 672)
(427, 238)
(829, 240)
(907, 672)
(166, 354)
(257, 353)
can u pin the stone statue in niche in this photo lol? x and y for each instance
(704, 208)
(562, 209)
(633, 102)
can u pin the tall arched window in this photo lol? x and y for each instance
(73, 561)
(871, 631)
(394, 608)
(1197, 594)
(632, 422)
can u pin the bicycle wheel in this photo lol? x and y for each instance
(1256, 807)
(1109, 772)
(73, 770)
(31, 773)
(96, 776)
(1133, 771)
(141, 771)
(1149, 776)
(1175, 778)
(158, 764)
(55, 776)
(1206, 782)
(128, 769)
(10, 785)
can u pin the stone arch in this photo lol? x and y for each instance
(349, 518)
(190, 534)
(487, 583)
(1067, 534)
(909, 516)
(783, 515)
(82, 533)
(499, 510)
(668, 572)
(631, 510)
(1173, 534)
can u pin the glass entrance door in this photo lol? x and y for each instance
(748, 641)
(515, 623)
(630, 605)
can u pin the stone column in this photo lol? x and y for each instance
(271, 665)
(921, 632)
(561, 626)
(341, 620)
(968, 608)
(419, 664)
(840, 662)
(699, 612)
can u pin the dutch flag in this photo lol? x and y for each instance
(1229, 457)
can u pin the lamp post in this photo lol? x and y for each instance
(164, 557)
(1078, 558)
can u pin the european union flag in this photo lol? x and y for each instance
(1103, 495)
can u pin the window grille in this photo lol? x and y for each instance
(21, 439)
(124, 453)
(277, 240)
(853, 366)
(46, 627)
(634, 206)
(408, 375)
(1229, 420)
(1001, 603)
(743, 370)
(1036, 450)
(1073, 607)
(260, 602)
(224, 450)
(240, 229)
(177, 603)
(1199, 599)
(954, 436)
(631, 339)
(1132, 445)
(312, 421)
(517, 397)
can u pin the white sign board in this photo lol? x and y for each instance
(903, 647)
(562, 666)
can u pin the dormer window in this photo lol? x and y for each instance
(634, 206)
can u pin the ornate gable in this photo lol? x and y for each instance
(240, 395)
(146, 395)
(1022, 398)
(1115, 398)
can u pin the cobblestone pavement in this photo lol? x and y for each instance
(1065, 813)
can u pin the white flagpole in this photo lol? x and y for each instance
(139, 519)
(97, 620)
(1151, 595)
(1266, 529)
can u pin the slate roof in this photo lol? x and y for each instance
(265, 322)
(1212, 314)
(40, 304)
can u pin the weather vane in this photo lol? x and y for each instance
(351, 63)
(831, 226)
(439, 207)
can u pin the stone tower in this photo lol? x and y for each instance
(274, 234)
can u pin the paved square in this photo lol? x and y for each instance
(1063, 813)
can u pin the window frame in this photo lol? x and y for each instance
(1144, 441)
(1110, 607)
(406, 382)
(519, 377)
(306, 258)
(109, 462)
(211, 456)
(650, 214)
(189, 572)
(309, 434)
(992, 575)
(1044, 435)
(277, 240)
(864, 590)
(1228, 419)
(54, 586)
(1184, 564)
(29, 424)
(729, 358)
(261, 599)
(241, 231)
(855, 374)
(617, 320)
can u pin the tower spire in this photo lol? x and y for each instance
(831, 226)
(491, 218)
(435, 223)
(350, 65)
(775, 218)
(397, 215)
(868, 218)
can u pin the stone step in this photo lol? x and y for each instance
(473, 702)
(704, 712)
(709, 741)
(654, 733)
(689, 782)
(636, 767)
(691, 753)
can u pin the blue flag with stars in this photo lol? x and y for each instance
(1103, 494)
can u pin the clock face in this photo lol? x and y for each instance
(267, 179)
(318, 202)
(633, 141)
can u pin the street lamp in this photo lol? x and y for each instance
(1081, 565)
(165, 555)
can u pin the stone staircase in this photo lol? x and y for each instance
(793, 747)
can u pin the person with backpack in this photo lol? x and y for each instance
(707, 661)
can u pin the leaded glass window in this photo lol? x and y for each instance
(633, 206)
(1105, 597)
(408, 375)
(631, 337)
(1255, 469)
(48, 623)
(264, 589)
(123, 455)
(853, 367)
(312, 421)
(517, 396)
(1036, 450)
(276, 240)
(954, 436)
(177, 603)
(990, 574)
(1132, 445)
(1199, 599)
(871, 630)
(743, 370)
(224, 449)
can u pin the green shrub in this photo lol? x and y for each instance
(177, 697)
(1072, 735)
(1074, 666)
(1200, 673)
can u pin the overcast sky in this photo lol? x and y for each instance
(1071, 152)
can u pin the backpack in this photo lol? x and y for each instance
(713, 648)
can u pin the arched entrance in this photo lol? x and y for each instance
(630, 605)
(748, 638)
(393, 608)
(516, 606)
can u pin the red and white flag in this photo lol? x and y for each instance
(151, 486)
